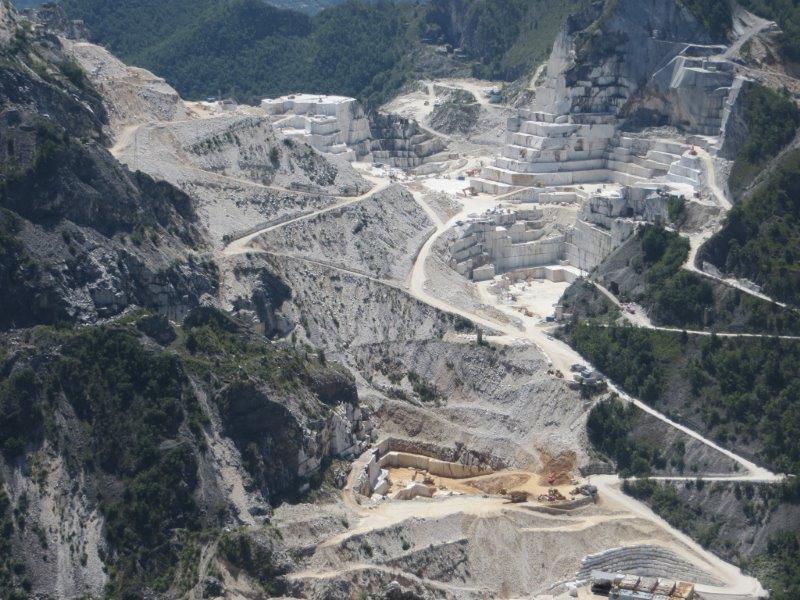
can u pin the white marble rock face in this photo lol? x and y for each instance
(570, 133)
(329, 124)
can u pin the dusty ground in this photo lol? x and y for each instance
(495, 484)
(475, 547)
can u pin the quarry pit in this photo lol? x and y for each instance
(471, 477)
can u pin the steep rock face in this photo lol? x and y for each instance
(505, 39)
(247, 147)
(130, 94)
(129, 440)
(604, 54)
(265, 432)
(82, 183)
(259, 296)
(84, 237)
(281, 441)
(57, 91)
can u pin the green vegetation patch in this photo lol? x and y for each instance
(760, 240)
(609, 426)
(772, 119)
(674, 296)
(125, 412)
(777, 565)
(250, 49)
(507, 38)
(787, 14)
(741, 391)
(132, 403)
(715, 15)
(780, 566)
(257, 554)
(666, 503)
(14, 584)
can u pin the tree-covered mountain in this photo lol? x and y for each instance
(786, 13)
(111, 416)
(306, 6)
(251, 49)
(761, 237)
(359, 48)
(505, 38)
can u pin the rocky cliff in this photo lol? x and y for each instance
(123, 443)
(83, 237)
(136, 421)
(607, 52)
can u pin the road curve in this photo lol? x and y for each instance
(243, 244)
(559, 353)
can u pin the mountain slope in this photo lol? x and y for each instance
(760, 240)
(357, 48)
(128, 444)
(252, 50)
(506, 39)
(85, 236)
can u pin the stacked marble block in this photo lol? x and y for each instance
(587, 244)
(400, 143)
(543, 149)
(329, 124)
(608, 218)
(546, 150)
(507, 241)
(687, 170)
(408, 153)
(502, 242)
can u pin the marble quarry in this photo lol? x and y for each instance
(502, 241)
(401, 143)
(691, 93)
(329, 124)
(575, 130)
(373, 477)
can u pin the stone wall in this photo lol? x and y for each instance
(399, 142)
(440, 468)
(505, 241)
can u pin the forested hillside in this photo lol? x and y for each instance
(359, 48)
(771, 119)
(761, 237)
(249, 49)
(787, 14)
(506, 38)
(742, 392)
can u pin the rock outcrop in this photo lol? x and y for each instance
(135, 444)
(92, 237)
